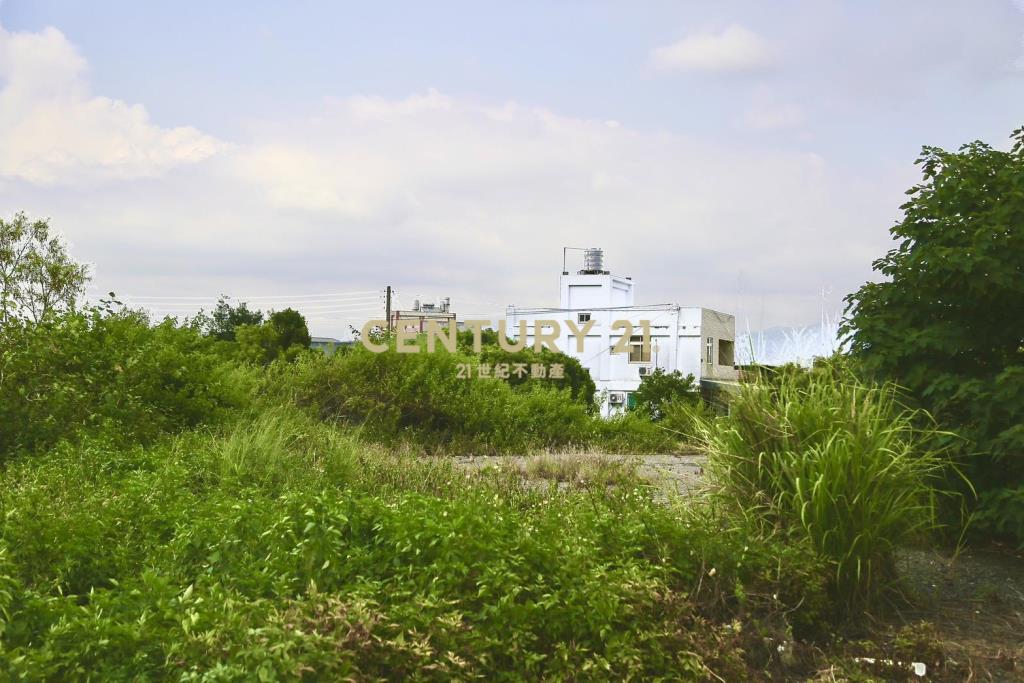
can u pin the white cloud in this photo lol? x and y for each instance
(435, 194)
(768, 117)
(768, 112)
(474, 200)
(53, 130)
(735, 49)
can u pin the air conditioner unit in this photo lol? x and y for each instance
(616, 397)
(646, 370)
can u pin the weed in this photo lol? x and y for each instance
(836, 461)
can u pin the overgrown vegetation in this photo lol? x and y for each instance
(834, 461)
(420, 399)
(659, 389)
(209, 500)
(109, 370)
(948, 321)
(286, 548)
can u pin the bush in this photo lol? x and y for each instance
(1000, 515)
(840, 463)
(660, 388)
(576, 379)
(419, 398)
(284, 336)
(102, 369)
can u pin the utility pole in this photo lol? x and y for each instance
(387, 308)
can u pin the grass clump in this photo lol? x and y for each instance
(581, 469)
(834, 460)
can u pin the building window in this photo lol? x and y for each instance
(582, 317)
(709, 356)
(725, 352)
(637, 352)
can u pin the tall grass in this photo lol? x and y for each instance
(283, 549)
(839, 462)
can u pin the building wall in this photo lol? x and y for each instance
(678, 335)
(720, 328)
(416, 321)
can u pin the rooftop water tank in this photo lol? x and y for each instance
(593, 262)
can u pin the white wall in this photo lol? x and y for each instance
(678, 334)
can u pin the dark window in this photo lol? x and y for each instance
(725, 352)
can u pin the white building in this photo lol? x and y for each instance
(693, 340)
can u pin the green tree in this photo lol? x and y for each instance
(660, 388)
(948, 322)
(291, 328)
(226, 319)
(285, 335)
(37, 276)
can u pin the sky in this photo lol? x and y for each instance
(743, 156)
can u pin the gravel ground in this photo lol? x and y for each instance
(678, 473)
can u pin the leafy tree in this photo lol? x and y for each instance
(291, 328)
(464, 339)
(948, 324)
(285, 335)
(660, 388)
(258, 344)
(37, 277)
(226, 319)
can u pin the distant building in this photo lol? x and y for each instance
(327, 344)
(692, 340)
(416, 320)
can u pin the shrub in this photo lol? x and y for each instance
(419, 398)
(838, 462)
(661, 388)
(284, 336)
(226, 319)
(109, 370)
(1000, 515)
(576, 378)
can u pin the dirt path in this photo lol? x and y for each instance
(975, 601)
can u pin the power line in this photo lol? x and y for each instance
(298, 304)
(275, 305)
(288, 297)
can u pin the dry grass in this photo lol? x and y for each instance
(581, 469)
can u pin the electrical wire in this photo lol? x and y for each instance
(290, 297)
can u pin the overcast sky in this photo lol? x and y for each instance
(745, 156)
